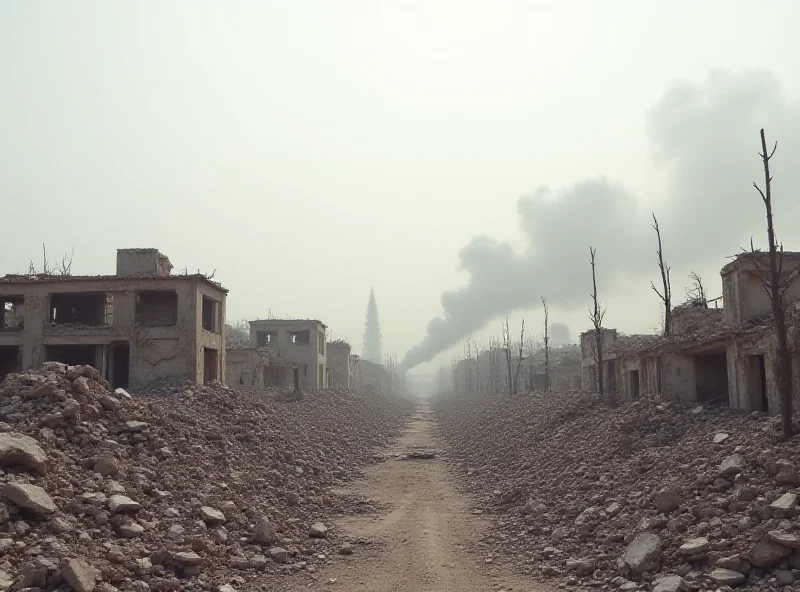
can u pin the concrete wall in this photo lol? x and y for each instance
(679, 377)
(247, 368)
(307, 356)
(154, 352)
(743, 292)
(338, 360)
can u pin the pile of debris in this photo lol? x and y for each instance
(207, 489)
(625, 498)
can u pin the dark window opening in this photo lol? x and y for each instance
(711, 375)
(265, 338)
(10, 360)
(634, 380)
(11, 318)
(157, 308)
(757, 383)
(300, 336)
(72, 355)
(321, 343)
(85, 308)
(119, 365)
(210, 365)
(321, 376)
(210, 315)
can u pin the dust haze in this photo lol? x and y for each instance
(704, 138)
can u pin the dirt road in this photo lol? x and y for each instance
(423, 539)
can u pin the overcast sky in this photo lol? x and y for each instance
(308, 151)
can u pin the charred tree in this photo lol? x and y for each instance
(596, 314)
(776, 287)
(666, 295)
(521, 357)
(546, 348)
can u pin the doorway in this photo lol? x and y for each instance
(633, 377)
(210, 365)
(757, 384)
(9, 360)
(119, 365)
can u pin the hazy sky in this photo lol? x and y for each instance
(310, 150)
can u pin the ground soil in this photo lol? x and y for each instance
(423, 541)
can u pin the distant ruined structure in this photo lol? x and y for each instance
(372, 350)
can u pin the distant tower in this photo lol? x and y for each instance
(372, 333)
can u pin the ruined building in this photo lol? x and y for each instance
(137, 326)
(372, 348)
(712, 355)
(339, 358)
(300, 344)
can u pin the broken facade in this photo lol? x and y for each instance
(140, 325)
(338, 359)
(712, 355)
(301, 343)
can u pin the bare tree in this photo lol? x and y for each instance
(697, 293)
(666, 295)
(507, 348)
(776, 288)
(521, 355)
(596, 314)
(546, 348)
(64, 268)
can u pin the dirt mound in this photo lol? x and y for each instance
(598, 497)
(205, 487)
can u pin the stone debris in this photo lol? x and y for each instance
(636, 497)
(187, 487)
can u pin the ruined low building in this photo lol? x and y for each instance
(301, 343)
(712, 355)
(137, 326)
(338, 360)
(371, 377)
(248, 367)
(354, 372)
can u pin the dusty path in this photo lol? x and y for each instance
(423, 539)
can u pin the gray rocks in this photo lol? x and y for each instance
(671, 584)
(720, 437)
(78, 574)
(667, 500)
(106, 465)
(787, 539)
(264, 533)
(278, 554)
(785, 503)
(768, 554)
(695, 546)
(732, 465)
(212, 516)
(29, 497)
(6, 581)
(318, 531)
(643, 554)
(346, 549)
(119, 504)
(727, 577)
(21, 450)
(130, 530)
(784, 577)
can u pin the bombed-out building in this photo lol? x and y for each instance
(712, 355)
(137, 326)
(301, 344)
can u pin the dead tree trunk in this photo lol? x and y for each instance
(507, 347)
(596, 314)
(546, 348)
(666, 296)
(783, 361)
(519, 361)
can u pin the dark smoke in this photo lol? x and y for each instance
(706, 137)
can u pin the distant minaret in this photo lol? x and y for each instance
(372, 333)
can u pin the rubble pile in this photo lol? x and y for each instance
(209, 488)
(626, 498)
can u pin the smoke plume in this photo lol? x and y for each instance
(705, 136)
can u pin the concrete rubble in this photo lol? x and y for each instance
(644, 496)
(191, 488)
